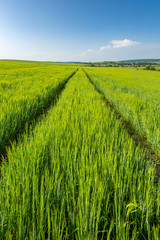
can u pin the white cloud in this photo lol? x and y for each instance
(105, 47)
(113, 51)
(90, 50)
(123, 43)
(85, 52)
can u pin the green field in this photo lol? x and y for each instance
(70, 165)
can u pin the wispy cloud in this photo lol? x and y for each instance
(118, 44)
(87, 51)
(105, 47)
(123, 43)
(115, 49)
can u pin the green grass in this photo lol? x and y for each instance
(24, 92)
(79, 175)
(136, 95)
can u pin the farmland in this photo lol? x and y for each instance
(70, 169)
(136, 95)
(21, 101)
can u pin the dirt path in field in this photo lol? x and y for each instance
(35, 120)
(139, 140)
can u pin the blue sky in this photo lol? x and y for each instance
(79, 30)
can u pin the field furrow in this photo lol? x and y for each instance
(136, 136)
(79, 175)
(136, 96)
(26, 96)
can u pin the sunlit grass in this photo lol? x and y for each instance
(79, 175)
(136, 95)
(24, 93)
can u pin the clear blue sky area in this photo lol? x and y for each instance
(79, 30)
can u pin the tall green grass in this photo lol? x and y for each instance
(136, 95)
(79, 175)
(24, 93)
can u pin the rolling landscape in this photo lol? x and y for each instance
(79, 120)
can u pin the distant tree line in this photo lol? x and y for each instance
(144, 65)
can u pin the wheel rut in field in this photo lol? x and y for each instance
(138, 139)
(44, 111)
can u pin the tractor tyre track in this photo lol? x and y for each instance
(43, 112)
(138, 139)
